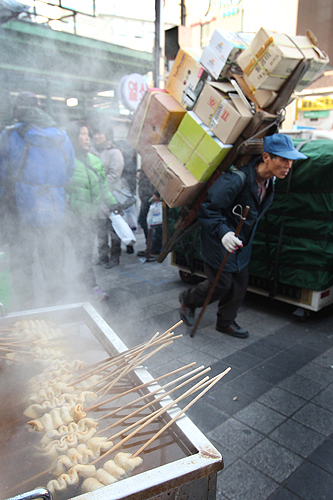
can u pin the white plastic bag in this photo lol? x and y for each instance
(130, 216)
(155, 214)
(122, 229)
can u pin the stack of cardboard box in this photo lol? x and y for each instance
(185, 131)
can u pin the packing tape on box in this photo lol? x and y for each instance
(210, 124)
(163, 172)
(263, 51)
(145, 114)
(193, 148)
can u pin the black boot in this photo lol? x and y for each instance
(113, 262)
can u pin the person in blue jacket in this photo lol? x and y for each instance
(36, 162)
(227, 197)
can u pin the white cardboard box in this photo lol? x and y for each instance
(222, 52)
(318, 61)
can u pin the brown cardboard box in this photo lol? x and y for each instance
(186, 77)
(177, 186)
(264, 97)
(269, 61)
(223, 112)
(155, 121)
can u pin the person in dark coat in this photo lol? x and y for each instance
(36, 163)
(148, 194)
(230, 194)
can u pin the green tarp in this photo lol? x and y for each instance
(302, 216)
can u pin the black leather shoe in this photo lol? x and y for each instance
(113, 262)
(129, 249)
(186, 313)
(234, 330)
(101, 261)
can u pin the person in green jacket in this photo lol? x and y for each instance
(85, 192)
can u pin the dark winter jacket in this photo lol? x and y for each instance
(88, 187)
(36, 162)
(217, 219)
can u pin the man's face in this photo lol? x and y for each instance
(278, 166)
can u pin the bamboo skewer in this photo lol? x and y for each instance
(155, 400)
(11, 359)
(141, 386)
(132, 364)
(158, 433)
(154, 414)
(111, 360)
(164, 409)
(114, 361)
(6, 339)
(151, 403)
(136, 362)
(147, 345)
(119, 368)
(16, 487)
(14, 350)
(159, 389)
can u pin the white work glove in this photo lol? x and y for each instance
(231, 242)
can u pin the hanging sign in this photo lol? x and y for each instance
(318, 104)
(131, 90)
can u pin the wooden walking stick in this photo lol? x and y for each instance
(217, 277)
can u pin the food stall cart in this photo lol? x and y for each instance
(180, 463)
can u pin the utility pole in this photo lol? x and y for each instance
(159, 45)
(182, 13)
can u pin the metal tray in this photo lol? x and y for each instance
(192, 477)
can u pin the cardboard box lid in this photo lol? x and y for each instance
(194, 53)
(224, 87)
(231, 38)
(169, 102)
(241, 107)
(308, 49)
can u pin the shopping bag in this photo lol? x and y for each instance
(124, 196)
(130, 216)
(155, 214)
(122, 229)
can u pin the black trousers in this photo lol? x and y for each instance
(46, 244)
(104, 230)
(82, 233)
(142, 219)
(230, 292)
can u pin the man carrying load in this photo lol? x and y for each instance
(219, 217)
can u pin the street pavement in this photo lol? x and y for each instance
(271, 416)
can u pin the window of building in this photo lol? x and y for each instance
(206, 34)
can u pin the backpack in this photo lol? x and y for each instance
(26, 195)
